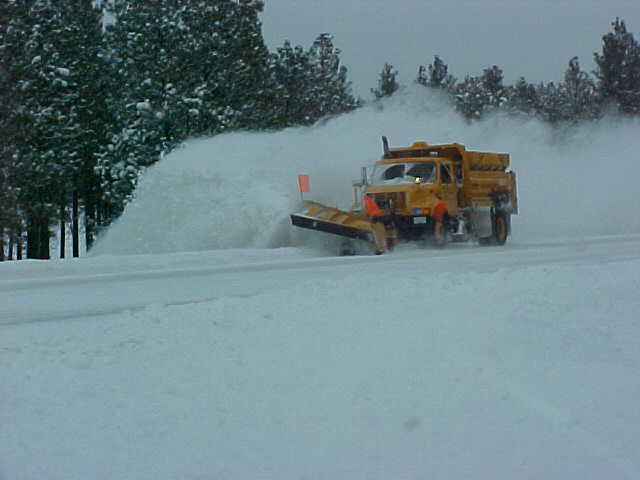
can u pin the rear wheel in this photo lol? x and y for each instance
(499, 230)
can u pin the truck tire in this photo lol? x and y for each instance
(500, 230)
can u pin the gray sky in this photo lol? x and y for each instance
(534, 38)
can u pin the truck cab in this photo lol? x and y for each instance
(413, 194)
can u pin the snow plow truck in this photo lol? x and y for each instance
(423, 193)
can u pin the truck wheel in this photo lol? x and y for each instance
(499, 230)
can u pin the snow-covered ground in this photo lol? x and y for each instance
(228, 346)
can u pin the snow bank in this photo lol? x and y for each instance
(237, 190)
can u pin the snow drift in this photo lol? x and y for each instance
(237, 190)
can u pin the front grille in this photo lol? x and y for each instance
(391, 201)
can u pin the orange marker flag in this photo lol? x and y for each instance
(303, 183)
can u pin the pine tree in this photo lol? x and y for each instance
(10, 54)
(387, 83)
(579, 94)
(43, 118)
(309, 84)
(294, 99)
(492, 84)
(436, 75)
(52, 110)
(329, 84)
(523, 98)
(252, 73)
(88, 64)
(618, 69)
(551, 102)
(181, 68)
(471, 99)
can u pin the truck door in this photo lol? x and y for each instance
(449, 187)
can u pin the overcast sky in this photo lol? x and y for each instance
(534, 38)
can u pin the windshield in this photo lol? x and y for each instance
(397, 173)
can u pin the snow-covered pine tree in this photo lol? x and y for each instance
(9, 57)
(146, 76)
(330, 87)
(618, 69)
(294, 98)
(578, 91)
(436, 75)
(47, 139)
(181, 68)
(523, 98)
(310, 84)
(551, 104)
(251, 84)
(81, 52)
(387, 83)
(493, 86)
(471, 99)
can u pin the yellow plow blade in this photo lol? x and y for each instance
(316, 216)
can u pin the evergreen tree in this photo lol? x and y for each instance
(252, 76)
(329, 84)
(492, 84)
(471, 99)
(10, 56)
(180, 68)
(47, 81)
(618, 69)
(436, 75)
(579, 94)
(81, 52)
(523, 98)
(387, 83)
(294, 97)
(551, 102)
(309, 84)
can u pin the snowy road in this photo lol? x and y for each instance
(469, 362)
(100, 289)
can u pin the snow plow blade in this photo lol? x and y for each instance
(316, 216)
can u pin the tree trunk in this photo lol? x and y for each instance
(1, 244)
(12, 235)
(19, 244)
(89, 219)
(32, 240)
(38, 238)
(44, 237)
(99, 217)
(63, 233)
(76, 233)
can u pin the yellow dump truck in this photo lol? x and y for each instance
(423, 192)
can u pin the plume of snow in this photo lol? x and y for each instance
(237, 190)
